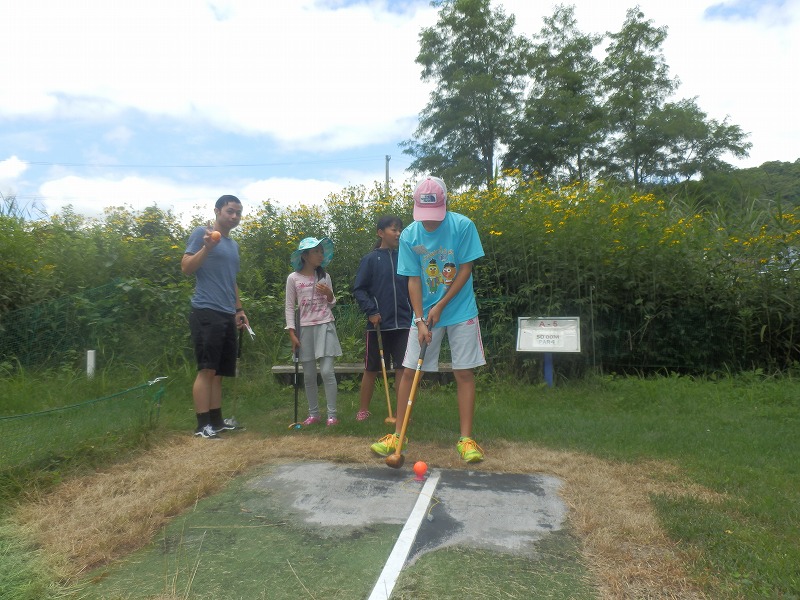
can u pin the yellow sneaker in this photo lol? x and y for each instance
(387, 444)
(469, 450)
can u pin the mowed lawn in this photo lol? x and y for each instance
(715, 461)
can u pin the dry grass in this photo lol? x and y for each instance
(96, 519)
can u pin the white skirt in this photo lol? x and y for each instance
(317, 341)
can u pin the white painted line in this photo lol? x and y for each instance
(391, 570)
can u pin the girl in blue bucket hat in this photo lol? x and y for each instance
(310, 322)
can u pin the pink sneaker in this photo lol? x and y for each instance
(363, 415)
(311, 420)
(333, 421)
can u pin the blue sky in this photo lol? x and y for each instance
(743, 9)
(175, 103)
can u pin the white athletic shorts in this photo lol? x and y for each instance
(466, 347)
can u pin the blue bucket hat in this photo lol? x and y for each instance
(309, 243)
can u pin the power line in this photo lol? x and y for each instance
(210, 166)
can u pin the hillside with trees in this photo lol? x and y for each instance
(547, 108)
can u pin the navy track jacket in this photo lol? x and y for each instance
(379, 289)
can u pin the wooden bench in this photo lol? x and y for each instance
(285, 373)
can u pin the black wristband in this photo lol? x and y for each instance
(238, 310)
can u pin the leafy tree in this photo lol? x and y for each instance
(353, 213)
(637, 83)
(692, 144)
(774, 183)
(650, 139)
(263, 250)
(478, 67)
(24, 277)
(560, 128)
(776, 179)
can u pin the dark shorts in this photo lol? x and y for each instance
(214, 340)
(394, 348)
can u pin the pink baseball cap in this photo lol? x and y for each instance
(430, 200)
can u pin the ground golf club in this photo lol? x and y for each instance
(390, 419)
(236, 378)
(296, 358)
(396, 460)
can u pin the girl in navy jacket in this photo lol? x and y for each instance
(382, 295)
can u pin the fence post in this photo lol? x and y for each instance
(548, 368)
(90, 361)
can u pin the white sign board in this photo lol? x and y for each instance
(549, 334)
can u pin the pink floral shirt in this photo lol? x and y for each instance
(314, 307)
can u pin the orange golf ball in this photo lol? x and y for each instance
(215, 235)
(420, 468)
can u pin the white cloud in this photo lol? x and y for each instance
(286, 192)
(316, 79)
(119, 135)
(325, 79)
(11, 168)
(303, 75)
(91, 196)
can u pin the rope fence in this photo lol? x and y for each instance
(38, 437)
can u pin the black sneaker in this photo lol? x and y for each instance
(207, 432)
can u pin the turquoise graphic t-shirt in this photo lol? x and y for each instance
(434, 256)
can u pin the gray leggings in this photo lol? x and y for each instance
(328, 380)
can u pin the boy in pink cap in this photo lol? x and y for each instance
(437, 241)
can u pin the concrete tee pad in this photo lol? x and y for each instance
(495, 511)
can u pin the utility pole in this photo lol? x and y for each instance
(388, 158)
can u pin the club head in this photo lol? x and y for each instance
(295, 426)
(390, 420)
(395, 460)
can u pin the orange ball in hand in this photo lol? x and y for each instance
(215, 235)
